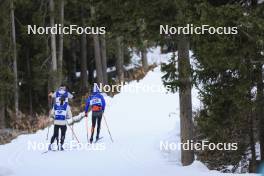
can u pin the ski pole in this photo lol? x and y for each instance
(50, 101)
(87, 129)
(73, 132)
(108, 129)
(47, 137)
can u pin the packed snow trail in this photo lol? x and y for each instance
(138, 122)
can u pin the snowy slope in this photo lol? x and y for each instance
(138, 122)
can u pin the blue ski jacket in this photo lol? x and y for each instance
(96, 99)
(61, 92)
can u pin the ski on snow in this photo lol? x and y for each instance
(49, 151)
(53, 150)
(98, 139)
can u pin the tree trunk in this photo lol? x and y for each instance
(120, 60)
(187, 156)
(104, 59)
(91, 78)
(91, 60)
(250, 119)
(142, 29)
(98, 60)
(84, 76)
(2, 109)
(54, 82)
(97, 52)
(252, 144)
(16, 89)
(60, 59)
(144, 57)
(260, 109)
(49, 87)
(29, 77)
(2, 95)
(74, 62)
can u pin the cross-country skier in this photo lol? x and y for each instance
(60, 112)
(97, 103)
(61, 91)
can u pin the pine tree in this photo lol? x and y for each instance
(226, 76)
(14, 53)
(60, 53)
(54, 69)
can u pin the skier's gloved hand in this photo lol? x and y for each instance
(70, 121)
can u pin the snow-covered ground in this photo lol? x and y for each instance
(138, 122)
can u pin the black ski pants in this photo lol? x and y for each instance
(96, 120)
(63, 129)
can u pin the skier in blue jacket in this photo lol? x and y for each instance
(97, 103)
(61, 91)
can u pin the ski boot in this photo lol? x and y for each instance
(91, 140)
(50, 148)
(61, 148)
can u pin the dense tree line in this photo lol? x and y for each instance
(230, 73)
(33, 65)
(227, 71)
